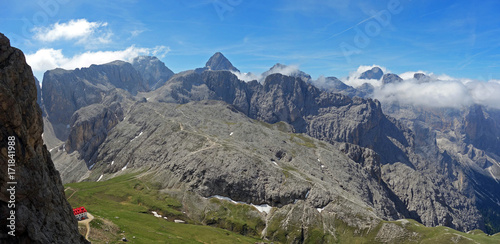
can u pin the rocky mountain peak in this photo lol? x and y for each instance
(153, 71)
(219, 62)
(374, 73)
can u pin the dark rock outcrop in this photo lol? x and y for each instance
(153, 71)
(42, 213)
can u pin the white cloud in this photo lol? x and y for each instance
(321, 82)
(485, 93)
(46, 59)
(135, 33)
(289, 70)
(409, 75)
(442, 91)
(433, 94)
(247, 76)
(354, 80)
(84, 32)
(324, 83)
(159, 51)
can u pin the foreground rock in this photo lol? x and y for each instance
(42, 213)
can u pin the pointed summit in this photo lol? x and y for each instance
(219, 62)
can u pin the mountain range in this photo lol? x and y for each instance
(315, 155)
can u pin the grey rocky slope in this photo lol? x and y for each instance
(153, 71)
(42, 213)
(211, 148)
(90, 125)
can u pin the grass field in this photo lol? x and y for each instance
(122, 208)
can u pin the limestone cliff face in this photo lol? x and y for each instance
(89, 128)
(65, 91)
(481, 130)
(465, 143)
(42, 213)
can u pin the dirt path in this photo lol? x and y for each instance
(86, 223)
(74, 191)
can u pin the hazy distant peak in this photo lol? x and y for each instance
(145, 59)
(421, 77)
(278, 66)
(374, 73)
(289, 70)
(391, 78)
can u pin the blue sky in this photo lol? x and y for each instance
(331, 38)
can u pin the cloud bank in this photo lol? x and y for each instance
(435, 91)
(354, 80)
(48, 58)
(440, 91)
(289, 70)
